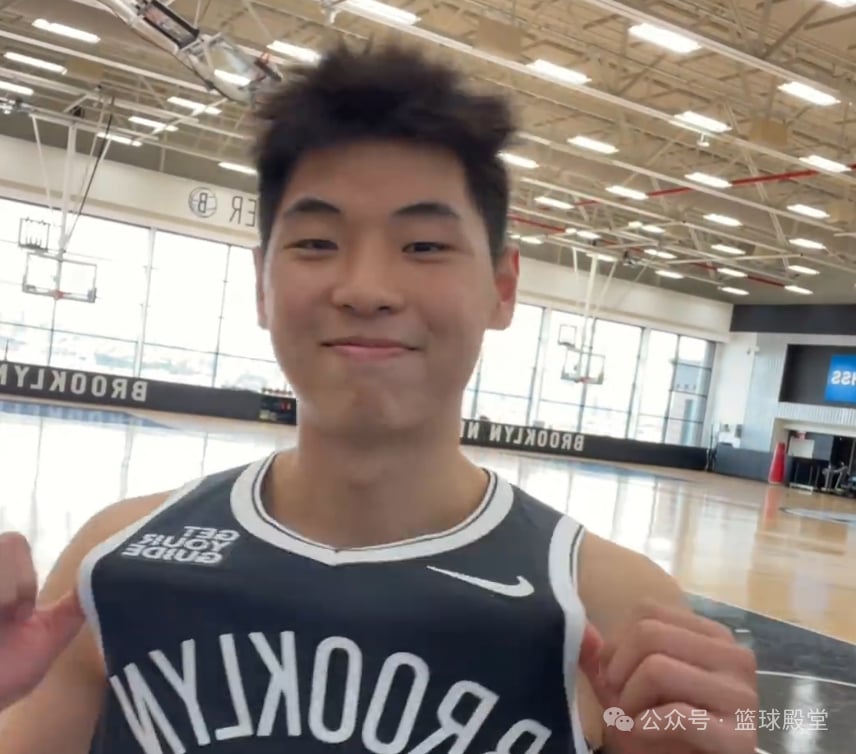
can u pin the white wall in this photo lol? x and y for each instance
(747, 379)
(732, 379)
(145, 197)
(766, 418)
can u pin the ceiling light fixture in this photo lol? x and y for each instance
(708, 180)
(381, 11)
(726, 249)
(734, 291)
(805, 243)
(196, 107)
(237, 168)
(558, 73)
(548, 201)
(824, 164)
(532, 240)
(731, 222)
(800, 270)
(303, 54)
(808, 94)
(659, 254)
(804, 209)
(670, 274)
(518, 161)
(16, 88)
(798, 289)
(601, 257)
(696, 121)
(730, 272)
(589, 235)
(593, 145)
(156, 125)
(66, 31)
(664, 38)
(627, 193)
(44, 65)
(127, 141)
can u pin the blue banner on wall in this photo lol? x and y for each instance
(841, 380)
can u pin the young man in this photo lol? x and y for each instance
(369, 589)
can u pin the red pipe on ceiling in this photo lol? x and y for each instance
(793, 175)
(638, 250)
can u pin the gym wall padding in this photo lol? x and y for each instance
(92, 388)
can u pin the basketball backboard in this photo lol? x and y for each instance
(584, 366)
(568, 335)
(59, 277)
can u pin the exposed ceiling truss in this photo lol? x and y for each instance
(657, 200)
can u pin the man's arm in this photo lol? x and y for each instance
(612, 582)
(60, 714)
(645, 649)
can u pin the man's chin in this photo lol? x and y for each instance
(368, 415)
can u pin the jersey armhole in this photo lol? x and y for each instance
(85, 589)
(563, 568)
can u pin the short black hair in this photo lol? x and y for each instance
(394, 93)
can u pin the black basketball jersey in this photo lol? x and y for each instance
(223, 631)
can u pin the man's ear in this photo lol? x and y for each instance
(261, 309)
(506, 275)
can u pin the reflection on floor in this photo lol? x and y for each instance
(764, 560)
(807, 683)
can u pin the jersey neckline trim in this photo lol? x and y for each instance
(248, 508)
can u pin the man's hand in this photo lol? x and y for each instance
(668, 665)
(31, 638)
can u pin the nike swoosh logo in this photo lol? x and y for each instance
(521, 589)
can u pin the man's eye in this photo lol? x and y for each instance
(426, 246)
(313, 244)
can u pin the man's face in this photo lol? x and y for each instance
(377, 286)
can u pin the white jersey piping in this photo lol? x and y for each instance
(564, 554)
(249, 511)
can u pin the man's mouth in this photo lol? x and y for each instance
(358, 342)
(369, 349)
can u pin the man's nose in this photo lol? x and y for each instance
(367, 282)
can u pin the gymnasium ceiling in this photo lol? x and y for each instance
(633, 89)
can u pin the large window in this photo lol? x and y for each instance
(607, 405)
(246, 357)
(656, 370)
(561, 400)
(690, 388)
(507, 368)
(177, 308)
(103, 336)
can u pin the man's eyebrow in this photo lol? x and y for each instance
(427, 209)
(311, 206)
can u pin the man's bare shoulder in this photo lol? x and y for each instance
(118, 516)
(613, 580)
